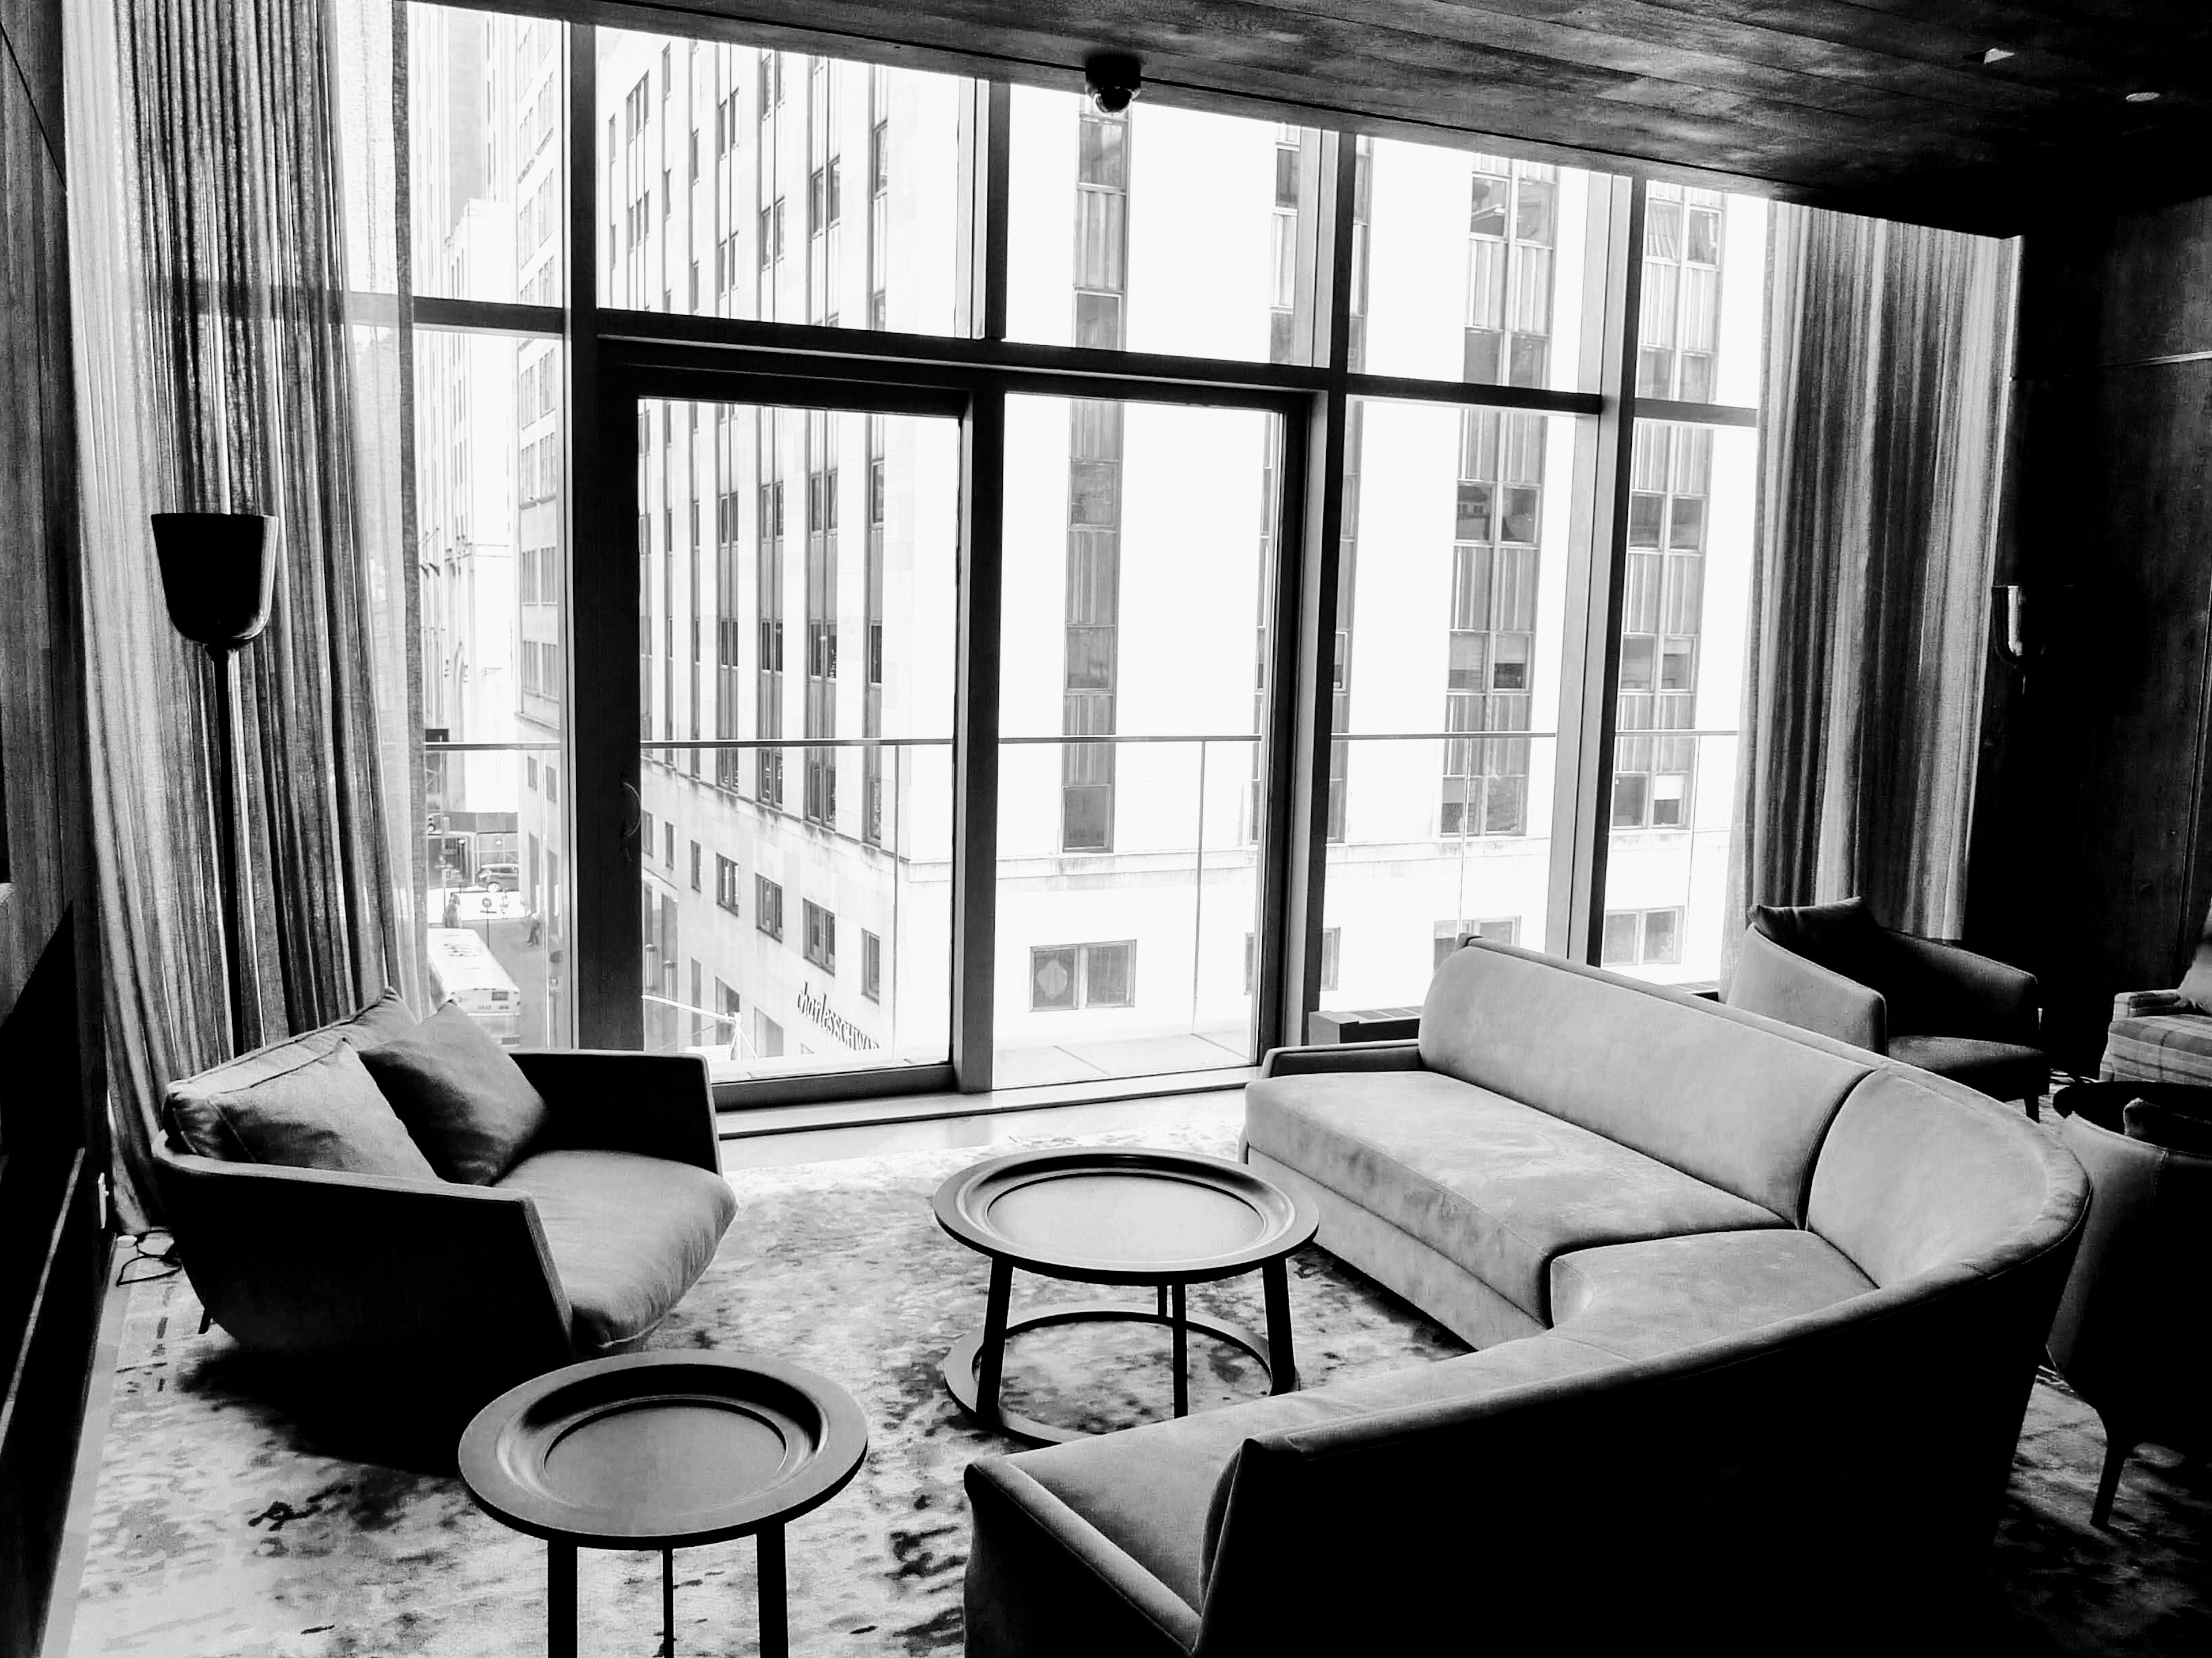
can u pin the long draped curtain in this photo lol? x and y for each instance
(1888, 351)
(221, 371)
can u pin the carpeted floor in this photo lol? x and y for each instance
(226, 1523)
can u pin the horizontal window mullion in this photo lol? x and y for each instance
(1694, 414)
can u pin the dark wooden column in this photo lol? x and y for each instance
(2092, 848)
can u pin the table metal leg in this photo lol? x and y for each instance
(1182, 1350)
(561, 1600)
(1164, 1303)
(992, 1359)
(774, 1627)
(668, 1603)
(1282, 1363)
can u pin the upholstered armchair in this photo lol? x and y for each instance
(2164, 1036)
(2131, 1336)
(577, 1248)
(1833, 969)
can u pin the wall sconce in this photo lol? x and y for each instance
(2014, 639)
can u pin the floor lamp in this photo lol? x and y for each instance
(217, 573)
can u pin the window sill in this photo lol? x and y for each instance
(734, 1123)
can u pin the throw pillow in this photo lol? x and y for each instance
(324, 1113)
(2175, 1127)
(200, 1122)
(463, 1098)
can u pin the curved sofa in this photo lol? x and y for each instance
(1757, 1316)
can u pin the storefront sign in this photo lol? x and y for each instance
(818, 1009)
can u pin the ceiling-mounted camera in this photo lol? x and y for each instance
(1113, 80)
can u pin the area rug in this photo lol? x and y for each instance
(224, 1525)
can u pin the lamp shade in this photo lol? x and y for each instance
(218, 571)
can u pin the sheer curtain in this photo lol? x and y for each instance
(1889, 352)
(220, 370)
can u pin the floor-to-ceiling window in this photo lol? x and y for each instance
(1103, 584)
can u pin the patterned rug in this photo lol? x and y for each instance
(227, 1522)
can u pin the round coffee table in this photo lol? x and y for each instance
(1118, 1216)
(663, 1451)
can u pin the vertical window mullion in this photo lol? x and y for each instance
(1310, 603)
(1590, 680)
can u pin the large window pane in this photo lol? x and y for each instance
(490, 568)
(795, 658)
(1704, 283)
(1156, 229)
(777, 186)
(1681, 686)
(1135, 534)
(1475, 267)
(1450, 630)
(486, 101)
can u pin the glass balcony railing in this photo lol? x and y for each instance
(796, 901)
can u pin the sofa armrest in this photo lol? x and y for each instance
(312, 1261)
(1974, 995)
(1782, 985)
(1342, 1056)
(1041, 1578)
(2139, 1004)
(656, 1105)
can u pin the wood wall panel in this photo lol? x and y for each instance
(2093, 853)
(53, 1149)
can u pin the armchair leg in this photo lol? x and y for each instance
(2118, 1447)
(2034, 1104)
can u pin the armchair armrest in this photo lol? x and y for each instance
(2136, 1003)
(1784, 986)
(307, 1261)
(1971, 995)
(656, 1105)
(1342, 1056)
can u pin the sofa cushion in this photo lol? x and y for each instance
(324, 1113)
(466, 1102)
(1497, 1187)
(1640, 1300)
(1919, 1173)
(629, 1235)
(1727, 1097)
(2159, 1048)
(2004, 1071)
(199, 1126)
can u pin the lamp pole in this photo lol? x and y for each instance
(218, 576)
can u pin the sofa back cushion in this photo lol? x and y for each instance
(199, 1120)
(324, 1113)
(1918, 1173)
(1737, 1102)
(463, 1098)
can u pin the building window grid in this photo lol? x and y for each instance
(1488, 679)
(1641, 938)
(871, 966)
(1094, 513)
(872, 691)
(821, 711)
(1662, 614)
(819, 945)
(1064, 977)
(768, 907)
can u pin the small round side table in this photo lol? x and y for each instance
(1116, 1215)
(663, 1451)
